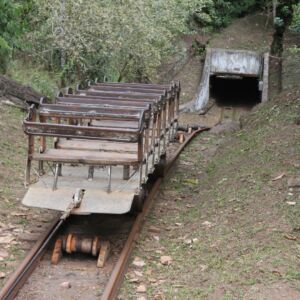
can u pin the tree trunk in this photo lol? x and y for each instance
(274, 10)
(17, 93)
(284, 11)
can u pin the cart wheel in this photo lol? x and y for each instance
(138, 201)
(160, 167)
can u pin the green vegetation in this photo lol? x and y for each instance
(117, 40)
(296, 18)
(37, 77)
(9, 30)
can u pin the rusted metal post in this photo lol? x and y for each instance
(109, 179)
(30, 151)
(140, 157)
(153, 139)
(146, 148)
(158, 131)
(55, 177)
(91, 173)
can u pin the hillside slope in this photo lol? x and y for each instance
(228, 216)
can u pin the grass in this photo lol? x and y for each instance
(245, 246)
(12, 164)
(40, 80)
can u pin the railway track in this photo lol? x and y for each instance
(110, 291)
(101, 154)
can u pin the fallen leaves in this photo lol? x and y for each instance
(190, 206)
(294, 182)
(141, 288)
(290, 237)
(278, 177)
(3, 255)
(134, 280)
(166, 260)
(66, 285)
(191, 181)
(138, 273)
(6, 239)
(153, 229)
(19, 214)
(222, 180)
(207, 224)
(159, 297)
(138, 262)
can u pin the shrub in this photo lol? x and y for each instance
(5, 54)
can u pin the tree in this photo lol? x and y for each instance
(295, 26)
(126, 39)
(9, 29)
(122, 40)
(283, 19)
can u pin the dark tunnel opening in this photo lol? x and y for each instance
(235, 91)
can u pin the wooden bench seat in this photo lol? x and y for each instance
(86, 157)
(139, 85)
(117, 95)
(116, 124)
(76, 144)
(83, 112)
(103, 102)
(135, 90)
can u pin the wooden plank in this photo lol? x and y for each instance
(128, 99)
(174, 87)
(76, 144)
(123, 103)
(86, 157)
(116, 123)
(89, 114)
(114, 111)
(142, 85)
(115, 95)
(109, 101)
(128, 89)
(85, 132)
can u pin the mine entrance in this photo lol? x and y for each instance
(229, 90)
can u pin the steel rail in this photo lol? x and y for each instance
(19, 277)
(117, 276)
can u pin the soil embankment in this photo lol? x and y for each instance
(227, 219)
